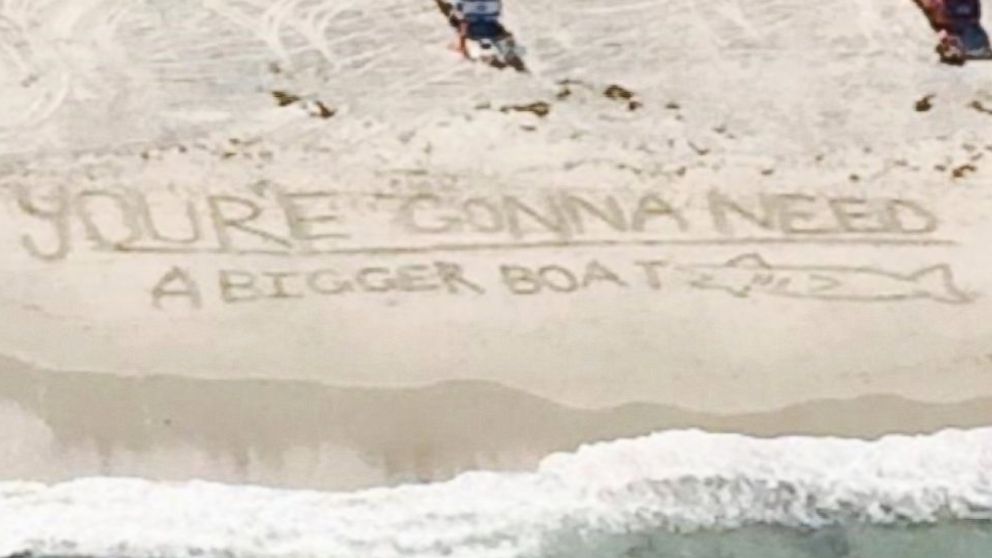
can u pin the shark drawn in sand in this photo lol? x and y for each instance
(750, 274)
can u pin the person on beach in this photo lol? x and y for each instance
(481, 33)
(959, 26)
(479, 21)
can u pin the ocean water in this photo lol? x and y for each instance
(959, 539)
(684, 494)
(955, 539)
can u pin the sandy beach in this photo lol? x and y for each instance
(303, 244)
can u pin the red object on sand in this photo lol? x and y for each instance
(946, 15)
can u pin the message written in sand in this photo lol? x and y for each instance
(241, 229)
(749, 275)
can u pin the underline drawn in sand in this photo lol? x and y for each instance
(456, 247)
(752, 274)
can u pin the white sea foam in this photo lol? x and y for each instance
(577, 504)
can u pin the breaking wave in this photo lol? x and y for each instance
(685, 493)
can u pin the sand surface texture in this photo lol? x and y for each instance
(303, 243)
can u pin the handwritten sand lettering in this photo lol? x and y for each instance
(236, 286)
(743, 276)
(153, 225)
(653, 272)
(175, 285)
(55, 215)
(312, 223)
(801, 214)
(526, 280)
(109, 218)
(312, 216)
(561, 215)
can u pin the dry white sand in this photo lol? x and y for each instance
(791, 209)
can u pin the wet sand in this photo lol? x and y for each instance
(61, 425)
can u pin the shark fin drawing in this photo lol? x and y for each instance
(748, 261)
(937, 282)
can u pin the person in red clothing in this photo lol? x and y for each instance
(478, 22)
(959, 25)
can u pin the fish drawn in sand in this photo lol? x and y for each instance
(751, 274)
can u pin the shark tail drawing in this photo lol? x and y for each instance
(937, 282)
